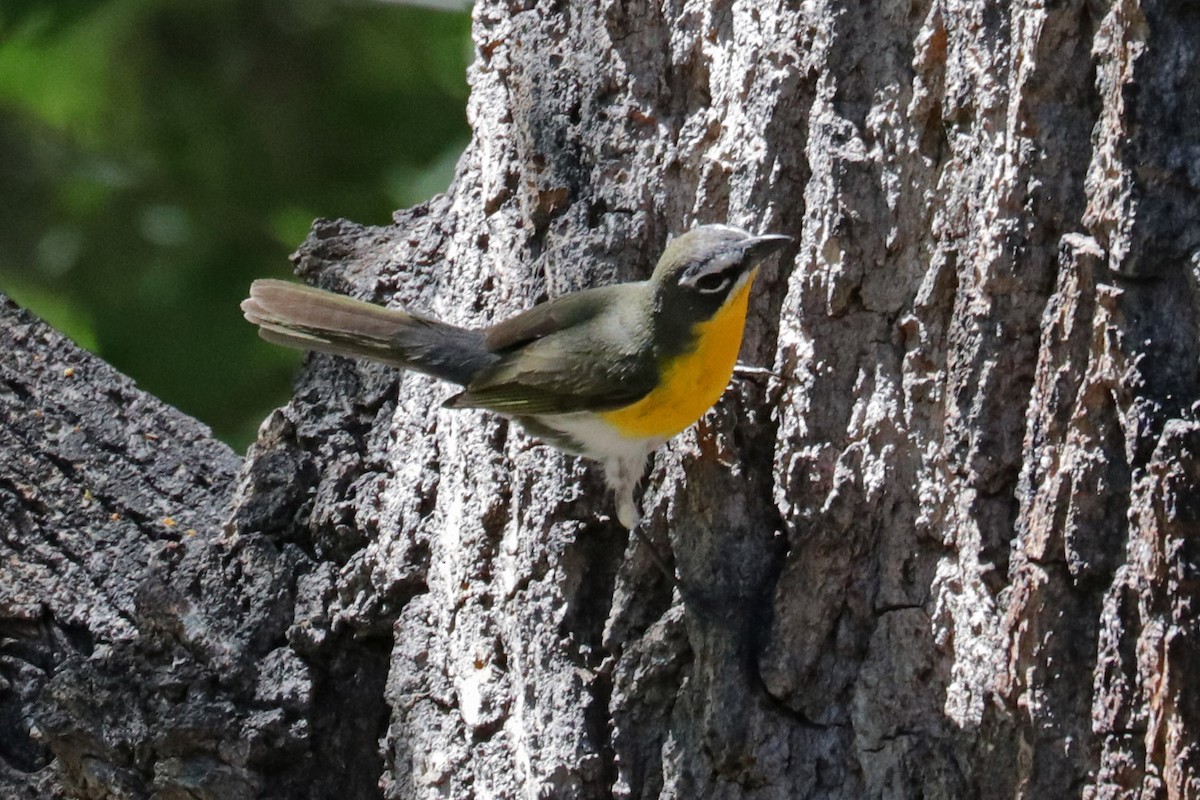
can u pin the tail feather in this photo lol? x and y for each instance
(312, 319)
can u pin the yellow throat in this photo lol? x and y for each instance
(693, 381)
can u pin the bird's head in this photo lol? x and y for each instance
(706, 268)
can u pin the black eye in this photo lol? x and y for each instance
(712, 282)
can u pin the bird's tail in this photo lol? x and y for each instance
(312, 319)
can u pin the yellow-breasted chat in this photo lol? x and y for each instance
(609, 373)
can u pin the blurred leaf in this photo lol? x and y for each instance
(61, 314)
(290, 224)
(157, 155)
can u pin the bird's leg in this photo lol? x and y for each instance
(667, 570)
(622, 478)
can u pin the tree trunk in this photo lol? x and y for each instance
(951, 550)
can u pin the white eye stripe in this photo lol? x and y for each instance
(707, 281)
(713, 276)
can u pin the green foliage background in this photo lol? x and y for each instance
(156, 155)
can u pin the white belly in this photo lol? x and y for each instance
(598, 439)
(624, 457)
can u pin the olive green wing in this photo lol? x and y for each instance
(551, 317)
(582, 352)
(561, 383)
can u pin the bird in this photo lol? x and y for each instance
(609, 373)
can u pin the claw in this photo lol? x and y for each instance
(627, 511)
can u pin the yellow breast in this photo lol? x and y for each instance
(692, 382)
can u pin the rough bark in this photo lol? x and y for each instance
(951, 551)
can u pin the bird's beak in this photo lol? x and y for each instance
(762, 246)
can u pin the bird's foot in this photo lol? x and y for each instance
(741, 370)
